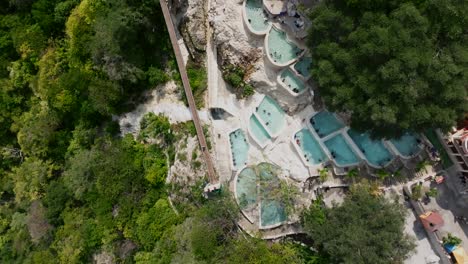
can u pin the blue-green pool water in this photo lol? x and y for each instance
(256, 16)
(246, 188)
(271, 210)
(407, 145)
(281, 50)
(261, 181)
(341, 151)
(302, 66)
(293, 82)
(310, 147)
(271, 114)
(325, 123)
(374, 150)
(258, 130)
(239, 148)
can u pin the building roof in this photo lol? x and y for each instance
(432, 221)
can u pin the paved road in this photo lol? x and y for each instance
(188, 92)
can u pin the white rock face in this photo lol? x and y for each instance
(237, 45)
(191, 18)
(164, 99)
(229, 32)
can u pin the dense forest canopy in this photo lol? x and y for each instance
(72, 190)
(365, 228)
(396, 66)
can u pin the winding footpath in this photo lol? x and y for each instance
(188, 92)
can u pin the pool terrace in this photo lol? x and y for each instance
(258, 132)
(256, 188)
(280, 50)
(407, 145)
(239, 148)
(325, 123)
(271, 116)
(310, 150)
(255, 17)
(374, 151)
(291, 82)
(302, 67)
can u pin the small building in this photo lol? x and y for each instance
(432, 221)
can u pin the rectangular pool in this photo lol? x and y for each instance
(310, 147)
(302, 66)
(374, 150)
(293, 82)
(239, 148)
(325, 123)
(258, 131)
(341, 151)
(271, 114)
(407, 145)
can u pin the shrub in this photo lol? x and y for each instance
(248, 90)
(234, 79)
(451, 239)
(156, 76)
(416, 192)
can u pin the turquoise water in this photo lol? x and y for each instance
(255, 15)
(280, 49)
(344, 155)
(374, 150)
(302, 66)
(258, 130)
(310, 147)
(239, 148)
(407, 145)
(293, 82)
(271, 211)
(246, 188)
(271, 114)
(325, 123)
(264, 176)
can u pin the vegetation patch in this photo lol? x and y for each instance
(395, 65)
(235, 76)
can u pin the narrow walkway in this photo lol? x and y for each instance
(188, 92)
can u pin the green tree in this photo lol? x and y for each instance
(37, 131)
(156, 127)
(364, 229)
(151, 225)
(30, 179)
(394, 65)
(451, 240)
